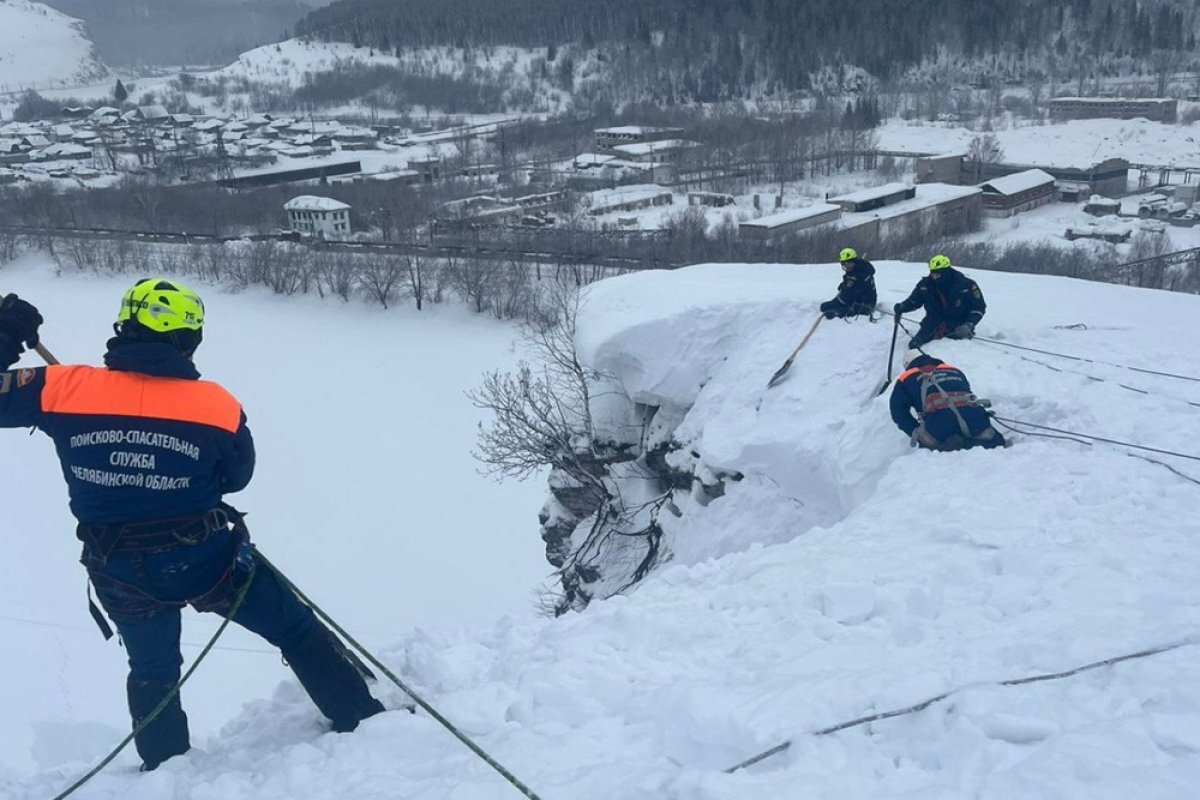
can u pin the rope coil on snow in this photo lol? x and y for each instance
(924, 704)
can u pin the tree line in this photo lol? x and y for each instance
(708, 50)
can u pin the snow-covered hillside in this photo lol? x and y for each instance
(41, 48)
(844, 575)
(1074, 143)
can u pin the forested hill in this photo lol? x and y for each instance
(182, 31)
(781, 41)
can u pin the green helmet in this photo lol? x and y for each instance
(847, 254)
(162, 306)
(939, 262)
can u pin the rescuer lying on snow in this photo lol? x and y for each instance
(933, 404)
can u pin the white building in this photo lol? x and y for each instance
(320, 216)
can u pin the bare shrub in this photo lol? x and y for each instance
(380, 278)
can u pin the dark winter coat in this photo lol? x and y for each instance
(856, 292)
(934, 395)
(143, 439)
(951, 299)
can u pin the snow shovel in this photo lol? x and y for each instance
(780, 373)
(891, 359)
(41, 350)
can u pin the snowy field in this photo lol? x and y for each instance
(1075, 143)
(846, 575)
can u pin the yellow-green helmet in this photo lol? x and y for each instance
(162, 306)
(939, 262)
(847, 254)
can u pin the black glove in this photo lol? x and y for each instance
(20, 320)
(829, 314)
(965, 331)
(10, 351)
(896, 310)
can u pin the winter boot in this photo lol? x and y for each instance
(167, 735)
(332, 682)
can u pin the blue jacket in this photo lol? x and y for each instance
(143, 439)
(916, 400)
(858, 284)
(952, 298)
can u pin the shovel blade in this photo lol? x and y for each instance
(780, 374)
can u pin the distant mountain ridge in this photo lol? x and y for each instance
(176, 32)
(41, 48)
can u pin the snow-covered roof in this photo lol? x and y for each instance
(865, 195)
(792, 215)
(1112, 100)
(394, 175)
(1017, 182)
(310, 139)
(155, 111)
(927, 196)
(633, 130)
(646, 148)
(65, 149)
(585, 160)
(311, 202)
(19, 129)
(610, 198)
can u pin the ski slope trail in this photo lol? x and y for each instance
(844, 575)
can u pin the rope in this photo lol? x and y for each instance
(1090, 360)
(1143, 370)
(924, 704)
(1095, 377)
(1095, 438)
(474, 748)
(237, 605)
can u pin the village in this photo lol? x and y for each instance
(627, 178)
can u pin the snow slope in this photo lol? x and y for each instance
(1075, 143)
(41, 48)
(845, 575)
(365, 493)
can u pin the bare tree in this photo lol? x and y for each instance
(380, 276)
(416, 268)
(333, 273)
(983, 151)
(541, 416)
(1163, 64)
(474, 280)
